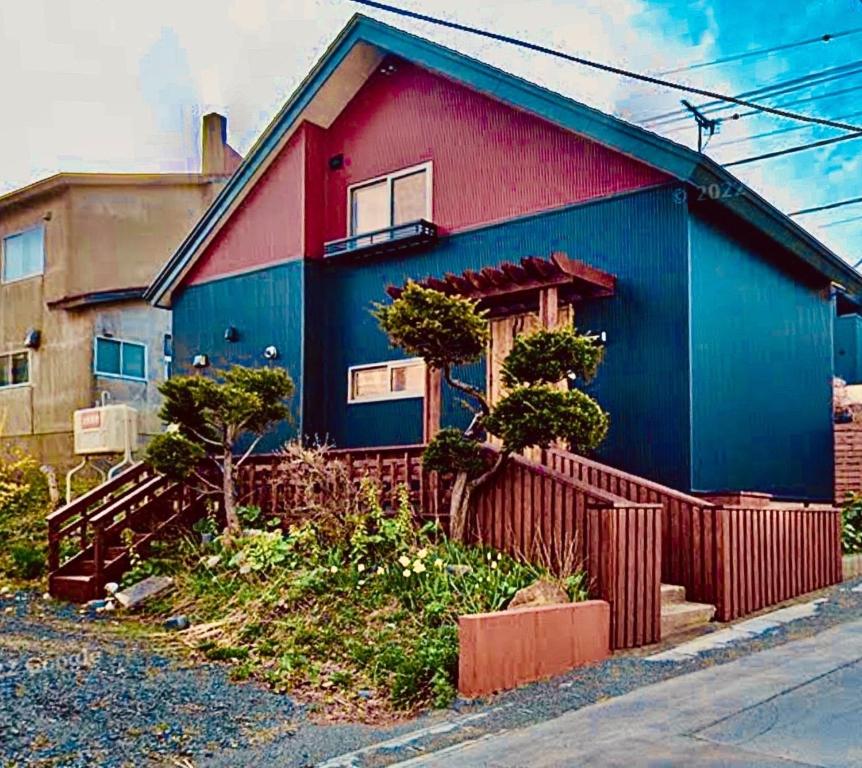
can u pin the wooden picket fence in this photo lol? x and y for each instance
(738, 559)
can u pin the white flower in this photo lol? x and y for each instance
(333, 569)
(381, 570)
(360, 567)
(438, 563)
(406, 573)
(404, 560)
(361, 582)
(418, 567)
(488, 556)
(493, 566)
(499, 555)
(422, 553)
(172, 429)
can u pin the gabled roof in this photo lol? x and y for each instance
(362, 44)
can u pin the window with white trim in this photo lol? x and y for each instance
(24, 254)
(120, 358)
(386, 381)
(14, 369)
(391, 200)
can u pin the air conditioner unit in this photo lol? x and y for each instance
(108, 429)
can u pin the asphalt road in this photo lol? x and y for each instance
(799, 704)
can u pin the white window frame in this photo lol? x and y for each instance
(389, 365)
(427, 166)
(121, 375)
(10, 235)
(29, 382)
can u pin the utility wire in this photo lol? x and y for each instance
(604, 67)
(762, 51)
(778, 131)
(793, 102)
(839, 222)
(773, 89)
(829, 207)
(793, 150)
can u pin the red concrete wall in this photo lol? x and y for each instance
(503, 650)
(268, 226)
(491, 162)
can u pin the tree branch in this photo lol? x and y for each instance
(469, 389)
(248, 452)
(489, 474)
(203, 438)
(204, 480)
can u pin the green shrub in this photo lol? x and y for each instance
(24, 506)
(851, 525)
(28, 561)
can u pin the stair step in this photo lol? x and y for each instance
(672, 594)
(679, 617)
(76, 589)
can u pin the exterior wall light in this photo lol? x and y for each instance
(200, 361)
(231, 333)
(33, 338)
(271, 352)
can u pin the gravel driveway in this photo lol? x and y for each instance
(74, 691)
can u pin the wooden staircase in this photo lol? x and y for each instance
(88, 546)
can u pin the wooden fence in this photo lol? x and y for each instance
(540, 514)
(848, 460)
(739, 559)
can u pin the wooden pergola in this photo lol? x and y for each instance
(534, 285)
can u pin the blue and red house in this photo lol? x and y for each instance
(398, 158)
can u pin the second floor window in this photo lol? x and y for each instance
(23, 255)
(397, 198)
(123, 359)
(14, 369)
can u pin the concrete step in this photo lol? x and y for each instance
(680, 617)
(671, 593)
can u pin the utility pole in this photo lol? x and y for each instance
(703, 124)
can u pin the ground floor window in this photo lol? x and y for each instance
(386, 381)
(14, 369)
(121, 358)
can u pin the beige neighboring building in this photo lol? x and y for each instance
(77, 251)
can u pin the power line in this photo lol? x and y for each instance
(793, 150)
(603, 67)
(839, 222)
(778, 88)
(793, 102)
(829, 207)
(762, 51)
(778, 131)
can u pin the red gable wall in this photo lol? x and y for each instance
(267, 227)
(490, 162)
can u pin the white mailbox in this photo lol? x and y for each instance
(108, 429)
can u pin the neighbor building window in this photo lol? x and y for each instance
(386, 381)
(123, 359)
(23, 255)
(14, 369)
(391, 200)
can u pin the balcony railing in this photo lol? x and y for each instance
(401, 237)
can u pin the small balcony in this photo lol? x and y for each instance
(400, 238)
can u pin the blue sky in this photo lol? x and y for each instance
(122, 86)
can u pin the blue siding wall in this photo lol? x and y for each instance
(848, 348)
(640, 237)
(265, 307)
(761, 369)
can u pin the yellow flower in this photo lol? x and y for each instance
(418, 567)
(422, 553)
(333, 569)
(404, 560)
(438, 563)
(406, 573)
(360, 567)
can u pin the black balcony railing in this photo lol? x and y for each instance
(404, 236)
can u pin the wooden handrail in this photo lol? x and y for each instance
(626, 477)
(96, 494)
(127, 501)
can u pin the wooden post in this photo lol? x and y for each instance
(549, 307)
(433, 403)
